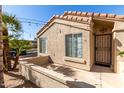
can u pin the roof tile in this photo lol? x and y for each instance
(111, 16)
(65, 17)
(74, 18)
(79, 13)
(96, 14)
(103, 15)
(57, 16)
(119, 16)
(79, 18)
(90, 14)
(69, 12)
(69, 17)
(83, 13)
(61, 16)
(66, 12)
(74, 12)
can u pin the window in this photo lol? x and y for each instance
(42, 45)
(74, 45)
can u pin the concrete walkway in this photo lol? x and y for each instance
(101, 77)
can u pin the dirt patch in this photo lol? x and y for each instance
(13, 79)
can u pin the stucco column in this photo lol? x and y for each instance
(118, 46)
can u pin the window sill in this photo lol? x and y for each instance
(43, 54)
(76, 60)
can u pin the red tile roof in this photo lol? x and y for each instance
(92, 14)
(78, 17)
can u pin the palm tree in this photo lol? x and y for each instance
(12, 24)
(1, 56)
(1, 62)
(1, 59)
(19, 45)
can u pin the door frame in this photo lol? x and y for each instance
(107, 65)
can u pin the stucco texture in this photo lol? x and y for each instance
(56, 43)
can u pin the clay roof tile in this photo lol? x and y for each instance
(69, 17)
(103, 15)
(96, 14)
(82, 19)
(65, 17)
(66, 12)
(57, 16)
(119, 16)
(79, 18)
(69, 12)
(79, 13)
(111, 15)
(61, 16)
(83, 13)
(74, 18)
(90, 13)
(74, 12)
(85, 19)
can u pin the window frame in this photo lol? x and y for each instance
(73, 36)
(41, 40)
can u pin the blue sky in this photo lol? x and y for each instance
(44, 12)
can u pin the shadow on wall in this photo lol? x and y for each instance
(65, 70)
(60, 69)
(79, 84)
(71, 84)
(119, 44)
(30, 75)
(34, 76)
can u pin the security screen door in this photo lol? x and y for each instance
(103, 47)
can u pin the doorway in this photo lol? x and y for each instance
(103, 48)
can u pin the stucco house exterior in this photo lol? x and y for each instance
(83, 39)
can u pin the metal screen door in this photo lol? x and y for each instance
(103, 49)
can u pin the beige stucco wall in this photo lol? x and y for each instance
(118, 44)
(56, 43)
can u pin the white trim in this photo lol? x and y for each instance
(74, 59)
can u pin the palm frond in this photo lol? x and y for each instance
(121, 53)
(12, 21)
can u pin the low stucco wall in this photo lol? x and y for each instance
(40, 60)
(46, 78)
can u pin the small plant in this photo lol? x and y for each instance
(19, 45)
(121, 53)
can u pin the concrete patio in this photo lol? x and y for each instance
(101, 77)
